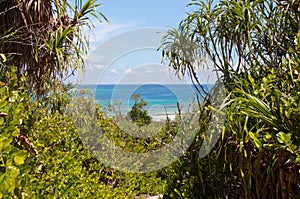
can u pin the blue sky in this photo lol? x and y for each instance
(128, 14)
(125, 51)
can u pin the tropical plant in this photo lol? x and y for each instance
(47, 40)
(258, 153)
(15, 148)
(233, 35)
(41, 153)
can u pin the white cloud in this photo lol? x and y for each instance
(94, 65)
(130, 71)
(113, 70)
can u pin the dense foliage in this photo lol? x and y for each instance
(257, 155)
(45, 39)
(41, 153)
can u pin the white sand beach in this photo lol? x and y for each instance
(162, 117)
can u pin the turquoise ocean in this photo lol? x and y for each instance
(160, 98)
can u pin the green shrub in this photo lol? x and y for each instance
(42, 156)
(14, 146)
(137, 114)
(258, 155)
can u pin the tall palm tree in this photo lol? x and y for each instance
(46, 41)
(234, 35)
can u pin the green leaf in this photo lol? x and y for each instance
(13, 171)
(284, 138)
(256, 141)
(7, 197)
(4, 142)
(19, 159)
(2, 103)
